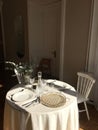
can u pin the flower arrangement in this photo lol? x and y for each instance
(25, 69)
(22, 71)
(22, 68)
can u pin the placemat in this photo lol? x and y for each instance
(53, 99)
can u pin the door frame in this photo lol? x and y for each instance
(62, 38)
(93, 38)
(93, 52)
(2, 27)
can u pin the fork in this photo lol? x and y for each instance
(37, 100)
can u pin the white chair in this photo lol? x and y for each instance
(18, 76)
(84, 85)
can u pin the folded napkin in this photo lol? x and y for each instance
(61, 86)
(68, 91)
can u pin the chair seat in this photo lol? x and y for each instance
(81, 98)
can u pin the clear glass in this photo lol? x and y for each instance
(39, 79)
(39, 75)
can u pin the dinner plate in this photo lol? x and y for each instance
(50, 80)
(22, 96)
(55, 82)
(53, 99)
(59, 83)
(62, 84)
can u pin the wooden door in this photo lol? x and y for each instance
(52, 35)
(44, 33)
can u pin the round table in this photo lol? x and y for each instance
(40, 117)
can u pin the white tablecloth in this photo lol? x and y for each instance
(40, 117)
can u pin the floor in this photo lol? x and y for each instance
(10, 81)
(2, 99)
(92, 124)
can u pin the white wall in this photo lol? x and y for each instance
(74, 38)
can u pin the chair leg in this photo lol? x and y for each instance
(87, 113)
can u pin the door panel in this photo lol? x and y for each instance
(44, 33)
(51, 35)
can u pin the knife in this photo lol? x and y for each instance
(31, 102)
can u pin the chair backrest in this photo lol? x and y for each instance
(18, 76)
(85, 83)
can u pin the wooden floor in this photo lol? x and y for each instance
(92, 124)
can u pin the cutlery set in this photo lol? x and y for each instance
(37, 100)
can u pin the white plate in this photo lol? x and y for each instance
(22, 96)
(56, 82)
(50, 81)
(59, 83)
(62, 84)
